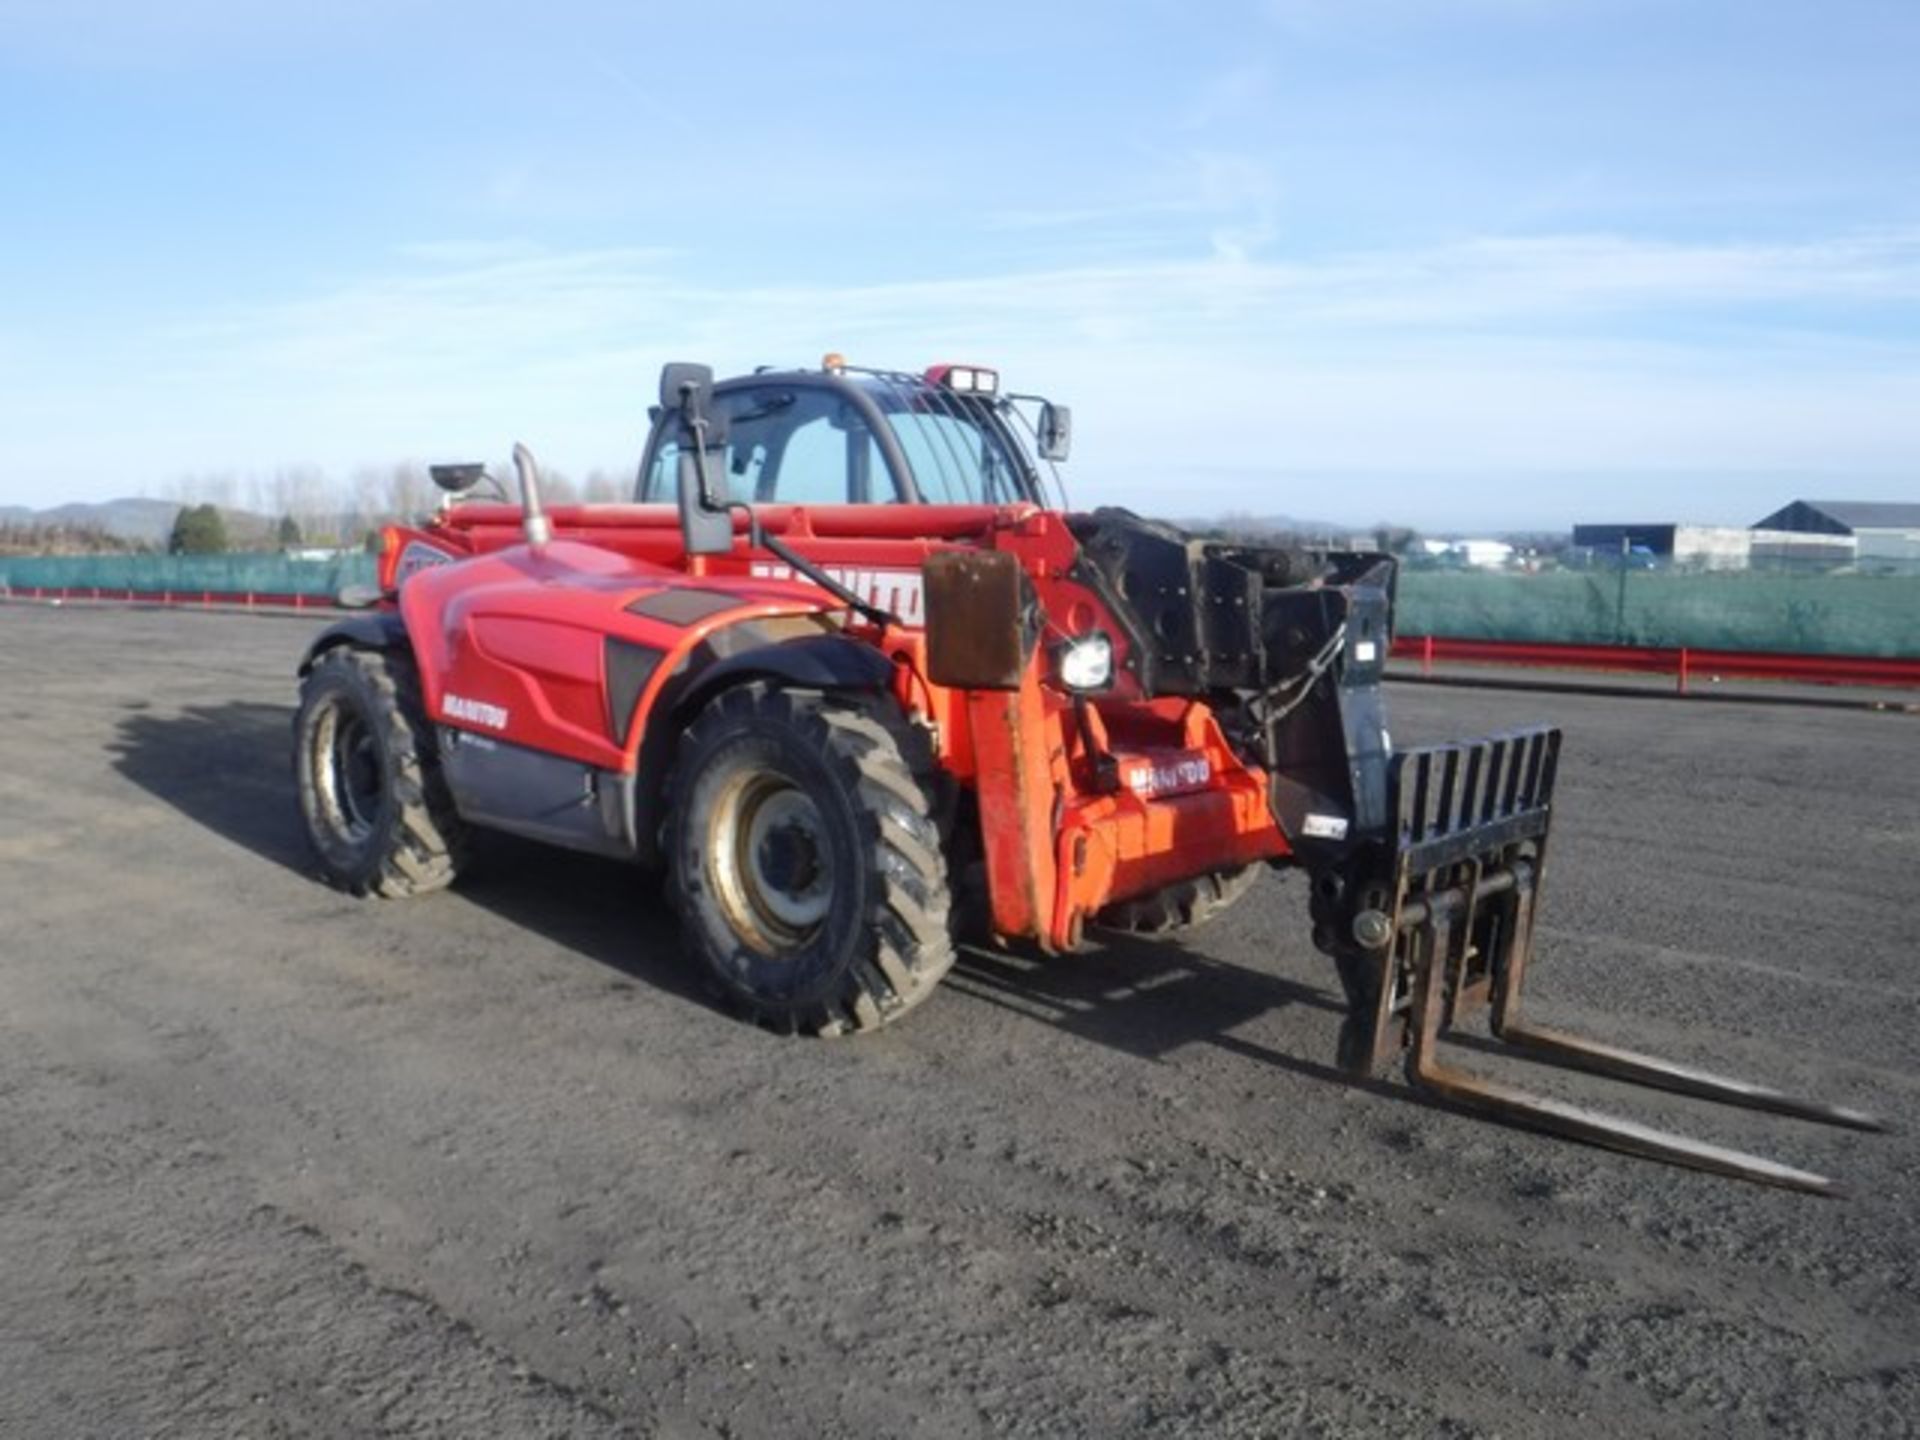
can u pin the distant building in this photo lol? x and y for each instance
(319, 552)
(1477, 554)
(1867, 531)
(1707, 547)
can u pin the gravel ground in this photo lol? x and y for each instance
(277, 1162)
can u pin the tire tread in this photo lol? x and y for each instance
(427, 838)
(886, 768)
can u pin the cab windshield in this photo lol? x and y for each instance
(811, 444)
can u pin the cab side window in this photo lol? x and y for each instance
(793, 445)
(813, 467)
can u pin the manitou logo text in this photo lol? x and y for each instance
(898, 592)
(1148, 778)
(415, 558)
(474, 712)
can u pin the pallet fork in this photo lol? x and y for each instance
(1447, 931)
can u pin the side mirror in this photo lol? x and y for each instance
(686, 391)
(674, 377)
(706, 527)
(1055, 431)
(457, 479)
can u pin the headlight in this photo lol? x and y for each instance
(1085, 663)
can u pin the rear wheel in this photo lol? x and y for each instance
(376, 807)
(1179, 907)
(806, 864)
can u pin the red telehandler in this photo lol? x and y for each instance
(849, 672)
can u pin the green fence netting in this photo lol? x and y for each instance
(1820, 614)
(236, 575)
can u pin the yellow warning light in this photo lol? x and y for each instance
(833, 362)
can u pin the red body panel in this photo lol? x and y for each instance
(512, 643)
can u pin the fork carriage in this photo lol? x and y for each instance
(1452, 938)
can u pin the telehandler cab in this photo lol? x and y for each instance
(850, 671)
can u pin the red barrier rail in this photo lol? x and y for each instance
(1684, 663)
(125, 596)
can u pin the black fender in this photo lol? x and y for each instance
(377, 630)
(729, 657)
(812, 662)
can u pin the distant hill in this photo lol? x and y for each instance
(150, 521)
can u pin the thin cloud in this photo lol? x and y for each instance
(532, 309)
(648, 101)
(469, 252)
(570, 312)
(1324, 17)
(1232, 94)
(1495, 356)
(1077, 217)
(190, 34)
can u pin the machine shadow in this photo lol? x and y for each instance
(224, 767)
(227, 768)
(612, 913)
(1151, 998)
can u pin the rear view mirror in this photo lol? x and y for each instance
(686, 390)
(706, 527)
(457, 479)
(1055, 431)
(677, 376)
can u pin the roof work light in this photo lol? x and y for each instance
(965, 379)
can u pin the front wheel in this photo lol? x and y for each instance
(377, 810)
(806, 865)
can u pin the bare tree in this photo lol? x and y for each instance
(602, 487)
(410, 493)
(220, 490)
(310, 498)
(556, 488)
(366, 501)
(343, 509)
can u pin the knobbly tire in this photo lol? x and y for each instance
(1179, 907)
(806, 864)
(364, 755)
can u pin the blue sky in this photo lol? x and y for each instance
(1462, 263)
